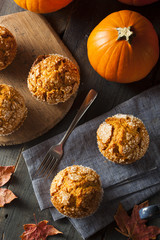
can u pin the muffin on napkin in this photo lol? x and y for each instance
(12, 109)
(122, 138)
(8, 47)
(76, 191)
(53, 78)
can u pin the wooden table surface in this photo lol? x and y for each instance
(73, 24)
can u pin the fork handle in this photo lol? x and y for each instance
(150, 211)
(91, 96)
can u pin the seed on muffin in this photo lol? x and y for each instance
(76, 191)
(122, 138)
(53, 79)
(8, 47)
(12, 109)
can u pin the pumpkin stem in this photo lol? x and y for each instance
(125, 33)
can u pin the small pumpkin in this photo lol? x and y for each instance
(43, 6)
(138, 2)
(123, 47)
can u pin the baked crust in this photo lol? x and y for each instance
(12, 109)
(8, 47)
(122, 138)
(53, 78)
(76, 191)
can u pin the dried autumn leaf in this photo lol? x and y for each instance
(38, 231)
(6, 196)
(5, 174)
(133, 226)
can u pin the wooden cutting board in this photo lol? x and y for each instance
(34, 37)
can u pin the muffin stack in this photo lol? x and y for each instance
(52, 79)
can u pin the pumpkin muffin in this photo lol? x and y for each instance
(53, 79)
(76, 191)
(12, 109)
(8, 47)
(122, 138)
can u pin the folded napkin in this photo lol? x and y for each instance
(128, 184)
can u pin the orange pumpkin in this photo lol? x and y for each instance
(123, 47)
(42, 6)
(138, 2)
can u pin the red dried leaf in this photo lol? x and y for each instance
(5, 174)
(133, 226)
(6, 196)
(38, 231)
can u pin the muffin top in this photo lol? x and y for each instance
(76, 191)
(53, 78)
(8, 47)
(122, 138)
(12, 109)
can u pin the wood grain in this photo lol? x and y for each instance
(34, 37)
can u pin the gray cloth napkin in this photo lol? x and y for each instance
(130, 184)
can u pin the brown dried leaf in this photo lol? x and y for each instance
(38, 231)
(5, 174)
(6, 196)
(133, 226)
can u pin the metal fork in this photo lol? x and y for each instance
(55, 153)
